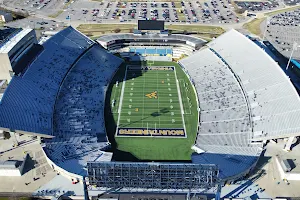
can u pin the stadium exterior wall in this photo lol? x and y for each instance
(61, 170)
(26, 133)
(5, 68)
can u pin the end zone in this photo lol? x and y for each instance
(150, 132)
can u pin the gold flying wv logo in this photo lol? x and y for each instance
(152, 95)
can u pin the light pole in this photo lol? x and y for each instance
(295, 46)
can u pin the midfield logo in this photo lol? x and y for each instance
(152, 95)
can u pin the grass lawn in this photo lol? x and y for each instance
(150, 99)
(178, 5)
(19, 198)
(254, 26)
(96, 30)
(282, 10)
(156, 148)
(181, 17)
(197, 28)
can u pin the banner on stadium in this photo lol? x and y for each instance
(140, 132)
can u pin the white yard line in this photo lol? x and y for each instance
(143, 100)
(121, 100)
(180, 101)
(117, 91)
(158, 97)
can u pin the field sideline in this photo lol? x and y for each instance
(152, 148)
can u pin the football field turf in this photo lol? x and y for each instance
(150, 100)
(150, 106)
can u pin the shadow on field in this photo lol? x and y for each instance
(154, 114)
(110, 122)
(119, 155)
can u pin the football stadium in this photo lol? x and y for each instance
(148, 111)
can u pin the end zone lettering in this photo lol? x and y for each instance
(150, 132)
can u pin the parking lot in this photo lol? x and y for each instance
(284, 29)
(210, 11)
(45, 7)
(257, 6)
(291, 2)
(193, 11)
(40, 25)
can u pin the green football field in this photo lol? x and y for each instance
(152, 99)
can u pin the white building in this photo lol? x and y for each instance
(13, 44)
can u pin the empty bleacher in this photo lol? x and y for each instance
(275, 104)
(28, 102)
(151, 51)
(225, 120)
(214, 82)
(244, 96)
(62, 94)
(78, 115)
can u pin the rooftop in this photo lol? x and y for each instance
(7, 33)
(11, 38)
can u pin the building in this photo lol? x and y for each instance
(5, 17)
(244, 99)
(14, 43)
(13, 167)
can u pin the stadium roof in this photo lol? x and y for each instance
(194, 40)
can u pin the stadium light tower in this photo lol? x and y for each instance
(295, 46)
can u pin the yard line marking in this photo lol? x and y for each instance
(121, 100)
(143, 104)
(157, 98)
(180, 102)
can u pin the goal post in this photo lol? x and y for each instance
(150, 61)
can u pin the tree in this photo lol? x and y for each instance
(117, 30)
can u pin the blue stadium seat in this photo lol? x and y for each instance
(29, 99)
